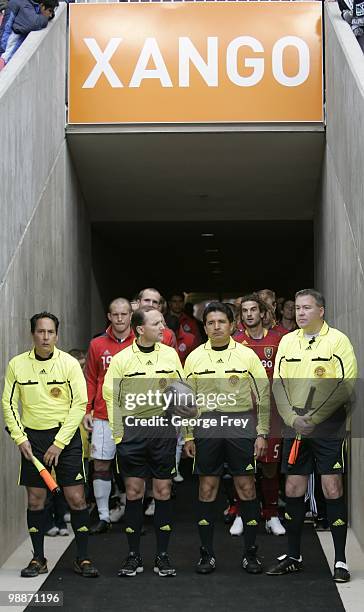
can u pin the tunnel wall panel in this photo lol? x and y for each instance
(339, 221)
(44, 230)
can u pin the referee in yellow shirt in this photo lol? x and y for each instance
(230, 381)
(315, 371)
(145, 439)
(51, 388)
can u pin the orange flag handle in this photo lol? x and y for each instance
(294, 450)
(46, 476)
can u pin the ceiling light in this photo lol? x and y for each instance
(207, 235)
(211, 250)
(214, 262)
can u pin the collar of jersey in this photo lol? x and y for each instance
(323, 331)
(55, 355)
(110, 335)
(232, 345)
(265, 332)
(136, 349)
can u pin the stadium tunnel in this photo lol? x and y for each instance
(217, 214)
(90, 212)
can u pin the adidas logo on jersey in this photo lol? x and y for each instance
(43, 371)
(79, 477)
(220, 361)
(337, 466)
(107, 352)
(249, 467)
(149, 362)
(252, 523)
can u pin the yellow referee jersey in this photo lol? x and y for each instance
(52, 394)
(135, 381)
(327, 363)
(236, 372)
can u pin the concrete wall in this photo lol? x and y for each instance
(340, 220)
(44, 230)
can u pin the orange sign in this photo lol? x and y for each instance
(202, 62)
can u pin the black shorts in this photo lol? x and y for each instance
(147, 457)
(70, 469)
(327, 455)
(229, 444)
(236, 453)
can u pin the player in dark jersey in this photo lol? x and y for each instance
(265, 343)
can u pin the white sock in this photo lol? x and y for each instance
(102, 490)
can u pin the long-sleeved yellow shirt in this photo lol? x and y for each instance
(135, 381)
(52, 394)
(327, 364)
(236, 371)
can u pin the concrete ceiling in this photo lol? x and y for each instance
(169, 176)
(152, 195)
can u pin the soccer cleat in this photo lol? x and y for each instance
(162, 565)
(150, 508)
(207, 562)
(36, 566)
(250, 561)
(274, 526)
(63, 531)
(341, 572)
(100, 527)
(285, 565)
(53, 531)
(132, 565)
(85, 568)
(117, 513)
(237, 528)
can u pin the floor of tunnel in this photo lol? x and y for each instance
(228, 588)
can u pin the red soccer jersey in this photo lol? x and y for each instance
(99, 355)
(266, 348)
(169, 338)
(279, 329)
(186, 343)
(190, 326)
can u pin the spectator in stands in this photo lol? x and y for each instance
(353, 12)
(22, 17)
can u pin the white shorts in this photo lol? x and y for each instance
(102, 444)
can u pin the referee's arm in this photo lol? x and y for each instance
(261, 389)
(341, 388)
(187, 432)
(111, 392)
(280, 387)
(10, 407)
(78, 401)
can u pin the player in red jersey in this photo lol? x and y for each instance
(270, 319)
(288, 321)
(117, 337)
(264, 343)
(176, 304)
